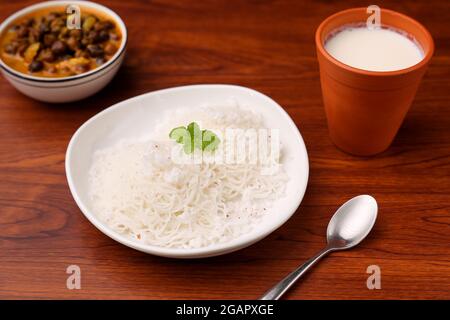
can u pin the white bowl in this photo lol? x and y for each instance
(71, 88)
(134, 118)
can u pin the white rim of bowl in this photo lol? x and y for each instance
(46, 4)
(215, 249)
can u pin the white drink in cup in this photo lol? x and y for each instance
(379, 49)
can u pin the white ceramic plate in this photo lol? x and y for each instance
(134, 118)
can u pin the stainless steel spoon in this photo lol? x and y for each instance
(350, 224)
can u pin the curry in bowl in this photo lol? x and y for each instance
(41, 44)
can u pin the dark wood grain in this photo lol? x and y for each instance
(268, 46)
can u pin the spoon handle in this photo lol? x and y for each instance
(281, 287)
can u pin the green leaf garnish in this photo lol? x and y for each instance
(191, 137)
(196, 136)
(209, 140)
(179, 134)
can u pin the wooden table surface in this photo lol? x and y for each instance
(268, 46)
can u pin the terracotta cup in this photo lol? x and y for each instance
(365, 109)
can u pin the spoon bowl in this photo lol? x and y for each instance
(352, 222)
